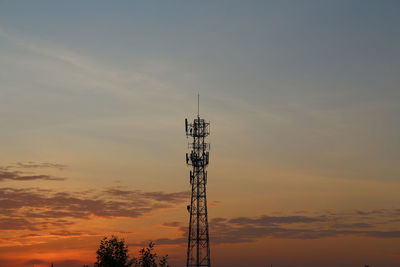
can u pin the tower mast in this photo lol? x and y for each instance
(198, 250)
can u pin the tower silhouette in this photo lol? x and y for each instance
(198, 250)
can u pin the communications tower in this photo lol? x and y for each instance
(198, 250)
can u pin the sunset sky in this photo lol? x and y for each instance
(304, 103)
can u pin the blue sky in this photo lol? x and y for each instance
(313, 64)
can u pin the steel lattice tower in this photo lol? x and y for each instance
(198, 250)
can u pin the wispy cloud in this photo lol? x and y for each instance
(86, 70)
(22, 171)
(39, 165)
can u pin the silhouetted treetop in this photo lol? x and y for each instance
(113, 252)
(148, 258)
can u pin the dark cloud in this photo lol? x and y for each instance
(172, 224)
(37, 209)
(18, 176)
(370, 212)
(17, 171)
(219, 220)
(16, 224)
(383, 234)
(352, 225)
(66, 233)
(167, 197)
(29, 235)
(264, 220)
(157, 196)
(59, 233)
(249, 229)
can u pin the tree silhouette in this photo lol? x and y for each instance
(113, 252)
(148, 258)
